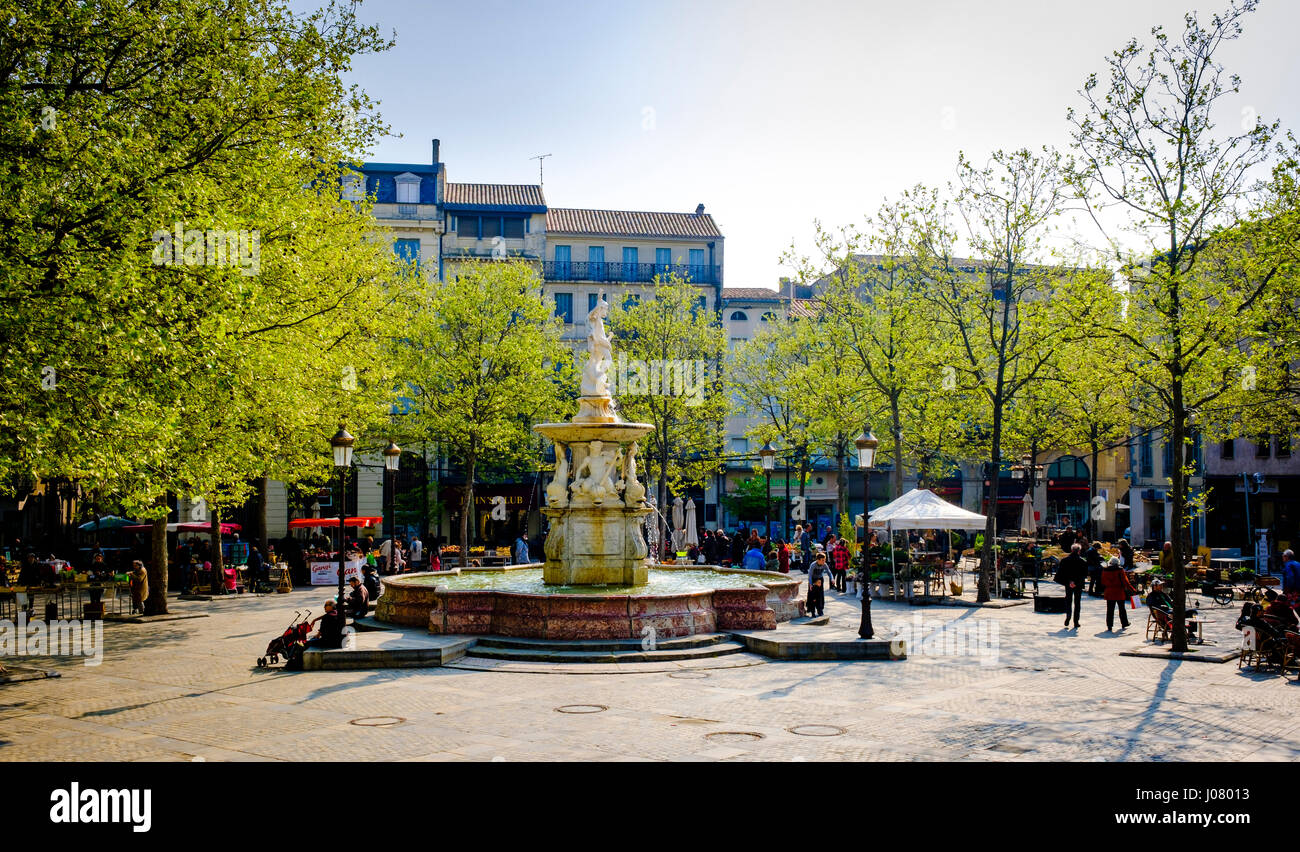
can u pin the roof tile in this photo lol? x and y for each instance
(631, 223)
(494, 194)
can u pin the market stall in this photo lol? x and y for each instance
(921, 509)
(324, 567)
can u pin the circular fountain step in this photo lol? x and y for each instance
(702, 640)
(580, 652)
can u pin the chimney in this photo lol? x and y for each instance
(435, 152)
(699, 210)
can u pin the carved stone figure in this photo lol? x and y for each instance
(593, 480)
(633, 491)
(600, 351)
(557, 493)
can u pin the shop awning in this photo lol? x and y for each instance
(303, 523)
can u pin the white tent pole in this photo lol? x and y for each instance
(893, 567)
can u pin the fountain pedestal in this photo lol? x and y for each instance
(598, 515)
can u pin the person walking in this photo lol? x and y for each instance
(816, 586)
(1290, 576)
(1116, 588)
(782, 556)
(521, 550)
(1071, 574)
(139, 586)
(840, 566)
(1093, 558)
(805, 545)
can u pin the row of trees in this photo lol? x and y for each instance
(972, 330)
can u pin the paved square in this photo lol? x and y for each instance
(186, 690)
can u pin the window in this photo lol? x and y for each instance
(1168, 458)
(353, 187)
(697, 270)
(1228, 450)
(1145, 455)
(1284, 447)
(740, 446)
(491, 227)
(408, 189)
(663, 259)
(631, 301)
(467, 227)
(739, 316)
(768, 317)
(564, 307)
(1262, 447)
(592, 299)
(596, 263)
(513, 228)
(407, 250)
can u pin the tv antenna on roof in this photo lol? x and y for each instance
(541, 160)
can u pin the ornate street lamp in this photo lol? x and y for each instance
(768, 456)
(342, 444)
(392, 456)
(866, 444)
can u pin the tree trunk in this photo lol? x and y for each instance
(263, 504)
(218, 562)
(466, 507)
(1179, 521)
(1093, 532)
(988, 567)
(156, 603)
(842, 484)
(896, 431)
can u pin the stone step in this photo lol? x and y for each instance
(374, 650)
(702, 640)
(718, 649)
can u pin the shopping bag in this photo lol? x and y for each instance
(1134, 602)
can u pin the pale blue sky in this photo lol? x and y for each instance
(772, 114)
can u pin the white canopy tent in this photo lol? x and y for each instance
(920, 509)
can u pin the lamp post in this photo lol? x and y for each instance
(392, 456)
(342, 444)
(768, 457)
(866, 444)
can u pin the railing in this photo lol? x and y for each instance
(389, 210)
(564, 270)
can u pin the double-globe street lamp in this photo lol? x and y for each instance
(392, 455)
(342, 444)
(768, 456)
(866, 444)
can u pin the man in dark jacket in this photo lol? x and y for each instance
(358, 599)
(1071, 573)
(1094, 560)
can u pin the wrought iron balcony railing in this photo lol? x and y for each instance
(566, 270)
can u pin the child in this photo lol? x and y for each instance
(816, 581)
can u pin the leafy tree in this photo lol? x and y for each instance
(749, 501)
(121, 123)
(483, 361)
(686, 405)
(1146, 143)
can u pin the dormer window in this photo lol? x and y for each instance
(354, 187)
(739, 316)
(408, 188)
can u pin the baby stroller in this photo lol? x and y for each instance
(290, 643)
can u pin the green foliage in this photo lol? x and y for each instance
(748, 501)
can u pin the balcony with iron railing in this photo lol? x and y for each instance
(389, 210)
(637, 273)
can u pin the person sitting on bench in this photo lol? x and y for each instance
(329, 630)
(1159, 599)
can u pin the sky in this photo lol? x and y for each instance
(771, 114)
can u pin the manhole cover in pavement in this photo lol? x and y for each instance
(817, 730)
(688, 674)
(377, 721)
(581, 708)
(733, 737)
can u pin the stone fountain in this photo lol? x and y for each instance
(595, 503)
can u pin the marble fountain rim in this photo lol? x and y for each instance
(768, 579)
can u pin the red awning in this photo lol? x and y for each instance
(301, 523)
(226, 529)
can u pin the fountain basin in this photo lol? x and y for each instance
(677, 601)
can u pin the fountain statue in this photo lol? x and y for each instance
(596, 520)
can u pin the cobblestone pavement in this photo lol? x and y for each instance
(189, 689)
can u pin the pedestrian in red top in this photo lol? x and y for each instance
(1116, 589)
(783, 556)
(839, 565)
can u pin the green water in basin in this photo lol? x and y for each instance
(528, 581)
